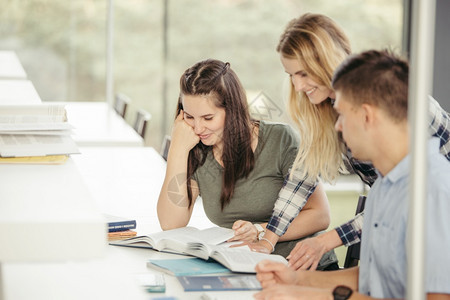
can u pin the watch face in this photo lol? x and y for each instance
(260, 230)
(342, 292)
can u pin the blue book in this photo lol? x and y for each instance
(116, 223)
(219, 283)
(188, 266)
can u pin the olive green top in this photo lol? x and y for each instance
(254, 196)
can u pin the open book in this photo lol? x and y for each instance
(205, 244)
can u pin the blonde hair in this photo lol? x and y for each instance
(320, 45)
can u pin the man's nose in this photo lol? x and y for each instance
(337, 126)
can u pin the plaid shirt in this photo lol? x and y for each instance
(296, 192)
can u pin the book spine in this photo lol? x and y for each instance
(120, 226)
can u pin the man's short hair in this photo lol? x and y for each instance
(374, 77)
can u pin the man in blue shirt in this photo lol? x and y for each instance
(371, 100)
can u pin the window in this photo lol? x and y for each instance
(62, 45)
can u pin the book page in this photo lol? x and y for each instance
(174, 239)
(36, 145)
(42, 132)
(186, 240)
(17, 127)
(32, 114)
(214, 235)
(159, 239)
(33, 109)
(242, 260)
(204, 241)
(177, 233)
(204, 250)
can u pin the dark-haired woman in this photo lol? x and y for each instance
(236, 164)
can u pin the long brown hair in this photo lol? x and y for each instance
(215, 79)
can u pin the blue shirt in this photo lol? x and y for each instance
(383, 265)
(297, 190)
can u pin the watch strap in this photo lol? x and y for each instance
(260, 230)
(342, 292)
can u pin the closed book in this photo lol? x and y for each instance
(219, 283)
(120, 235)
(186, 267)
(116, 223)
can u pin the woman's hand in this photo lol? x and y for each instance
(244, 231)
(183, 135)
(260, 246)
(306, 254)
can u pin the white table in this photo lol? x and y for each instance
(18, 92)
(50, 208)
(53, 237)
(97, 124)
(126, 181)
(10, 66)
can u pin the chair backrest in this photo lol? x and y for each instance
(352, 257)
(165, 147)
(121, 102)
(142, 119)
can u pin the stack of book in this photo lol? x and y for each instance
(215, 262)
(120, 228)
(207, 244)
(37, 133)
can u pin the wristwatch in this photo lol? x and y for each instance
(342, 292)
(260, 230)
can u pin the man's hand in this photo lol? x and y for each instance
(270, 273)
(291, 292)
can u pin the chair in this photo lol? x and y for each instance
(121, 102)
(352, 256)
(142, 119)
(165, 147)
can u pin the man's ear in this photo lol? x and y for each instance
(369, 114)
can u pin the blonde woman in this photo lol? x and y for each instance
(311, 48)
